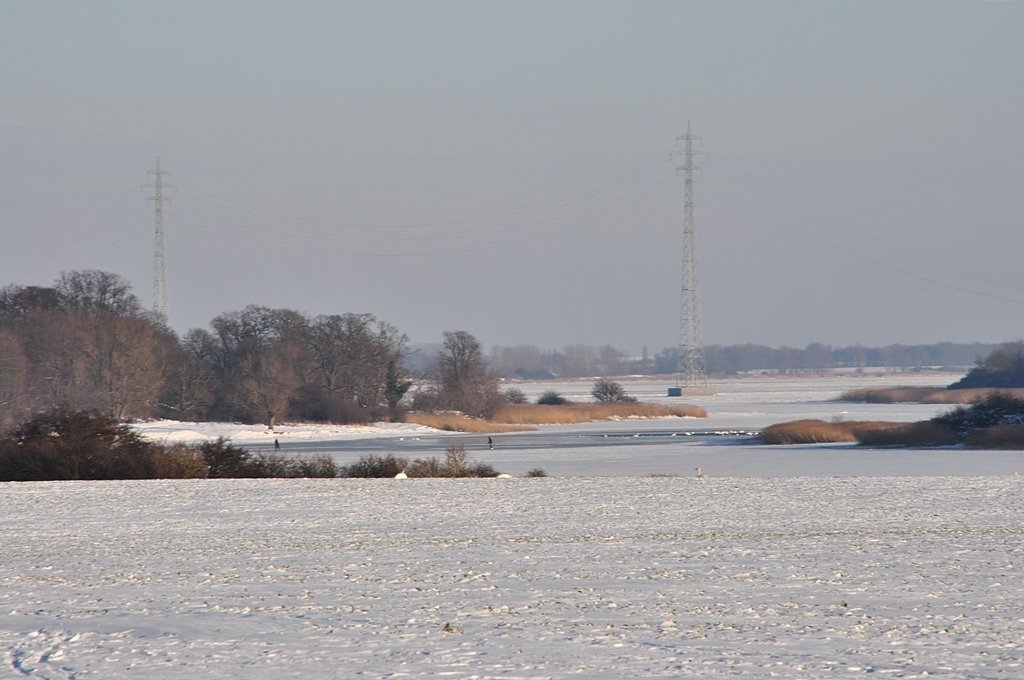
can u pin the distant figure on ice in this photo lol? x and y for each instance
(277, 445)
(490, 443)
(699, 473)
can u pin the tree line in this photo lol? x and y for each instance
(528, 362)
(87, 343)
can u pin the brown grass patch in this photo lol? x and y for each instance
(456, 422)
(820, 432)
(922, 395)
(568, 414)
(519, 417)
(178, 462)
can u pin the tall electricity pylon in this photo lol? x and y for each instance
(692, 377)
(159, 270)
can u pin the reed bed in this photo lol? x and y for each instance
(457, 422)
(813, 431)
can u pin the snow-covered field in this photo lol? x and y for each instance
(797, 576)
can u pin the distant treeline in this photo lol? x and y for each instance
(86, 343)
(531, 362)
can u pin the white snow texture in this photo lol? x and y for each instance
(569, 576)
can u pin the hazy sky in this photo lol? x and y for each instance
(506, 168)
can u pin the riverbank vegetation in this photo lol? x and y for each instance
(1001, 371)
(519, 417)
(994, 421)
(87, 343)
(812, 431)
(84, 445)
(80, 445)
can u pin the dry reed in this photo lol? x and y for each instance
(456, 422)
(518, 417)
(820, 432)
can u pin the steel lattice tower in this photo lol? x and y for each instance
(159, 271)
(692, 375)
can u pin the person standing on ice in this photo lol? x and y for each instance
(490, 443)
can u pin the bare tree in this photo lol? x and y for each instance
(464, 382)
(88, 344)
(191, 388)
(92, 289)
(125, 362)
(358, 364)
(13, 380)
(262, 359)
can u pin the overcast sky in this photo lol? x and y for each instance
(506, 168)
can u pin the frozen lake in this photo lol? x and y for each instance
(796, 562)
(719, 444)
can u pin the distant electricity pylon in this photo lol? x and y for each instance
(159, 270)
(692, 377)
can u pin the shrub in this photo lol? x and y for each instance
(456, 458)
(457, 464)
(925, 433)
(481, 470)
(374, 467)
(66, 445)
(514, 395)
(178, 462)
(536, 472)
(551, 398)
(270, 465)
(998, 437)
(996, 408)
(320, 466)
(226, 460)
(425, 467)
(607, 391)
(82, 445)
